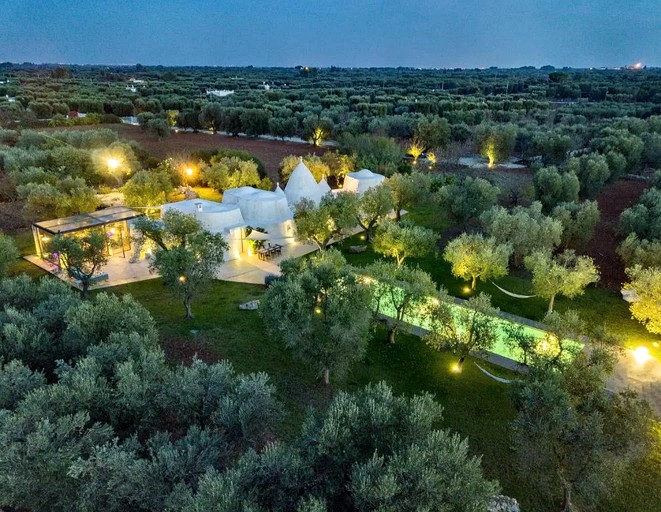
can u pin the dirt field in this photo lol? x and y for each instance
(612, 201)
(271, 152)
(11, 218)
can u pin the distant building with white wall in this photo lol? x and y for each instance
(360, 181)
(270, 211)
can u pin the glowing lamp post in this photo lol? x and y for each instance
(641, 355)
(113, 165)
(188, 173)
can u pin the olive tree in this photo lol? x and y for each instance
(401, 240)
(472, 256)
(233, 172)
(553, 187)
(408, 190)
(572, 437)
(524, 229)
(68, 196)
(472, 328)
(147, 189)
(467, 198)
(579, 220)
(564, 274)
(374, 205)
(432, 132)
(372, 448)
(82, 257)
(211, 116)
(187, 256)
(645, 283)
(316, 164)
(317, 129)
(592, 171)
(496, 142)
(643, 218)
(399, 294)
(321, 312)
(321, 224)
(634, 251)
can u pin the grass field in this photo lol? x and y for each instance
(474, 405)
(599, 305)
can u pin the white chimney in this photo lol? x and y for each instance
(198, 206)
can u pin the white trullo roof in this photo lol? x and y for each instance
(216, 217)
(324, 187)
(302, 185)
(260, 208)
(361, 181)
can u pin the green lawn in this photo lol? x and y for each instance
(474, 405)
(25, 244)
(599, 305)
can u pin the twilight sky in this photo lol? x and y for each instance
(361, 33)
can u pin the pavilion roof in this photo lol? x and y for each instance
(83, 221)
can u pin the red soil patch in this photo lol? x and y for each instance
(612, 201)
(11, 218)
(180, 351)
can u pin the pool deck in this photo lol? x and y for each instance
(247, 269)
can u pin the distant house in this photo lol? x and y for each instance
(219, 93)
(360, 181)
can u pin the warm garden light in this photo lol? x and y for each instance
(456, 368)
(415, 149)
(641, 355)
(113, 163)
(189, 171)
(466, 290)
(182, 279)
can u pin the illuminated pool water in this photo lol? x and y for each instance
(501, 347)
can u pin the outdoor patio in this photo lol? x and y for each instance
(247, 269)
(119, 271)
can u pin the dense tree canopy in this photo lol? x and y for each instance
(468, 198)
(399, 294)
(524, 229)
(571, 435)
(401, 240)
(94, 418)
(645, 283)
(472, 256)
(320, 310)
(8, 253)
(564, 274)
